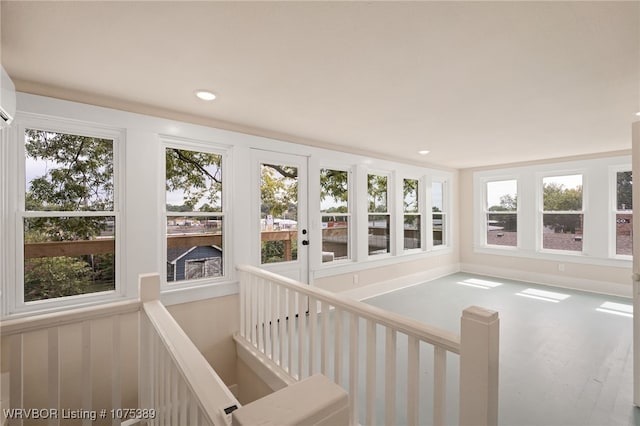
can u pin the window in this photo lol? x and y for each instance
(194, 214)
(562, 215)
(624, 213)
(334, 210)
(438, 213)
(69, 220)
(501, 212)
(412, 215)
(379, 217)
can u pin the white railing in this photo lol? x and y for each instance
(302, 330)
(56, 366)
(175, 378)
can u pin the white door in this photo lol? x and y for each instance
(281, 234)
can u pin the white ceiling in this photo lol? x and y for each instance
(477, 83)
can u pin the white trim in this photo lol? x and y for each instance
(569, 282)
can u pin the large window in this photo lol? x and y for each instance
(69, 220)
(336, 217)
(501, 212)
(412, 217)
(379, 216)
(624, 213)
(438, 213)
(194, 214)
(562, 213)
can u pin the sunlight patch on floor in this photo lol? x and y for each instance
(547, 296)
(478, 283)
(616, 309)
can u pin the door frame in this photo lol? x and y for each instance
(297, 269)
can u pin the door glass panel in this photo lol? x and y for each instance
(278, 213)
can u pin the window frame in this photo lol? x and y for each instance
(421, 195)
(541, 212)
(208, 147)
(486, 211)
(14, 300)
(390, 197)
(613, 202)
(446, 216)
(351, 240)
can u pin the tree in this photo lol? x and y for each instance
(508, 203)
(624, 191)
(557, 198)
(198, 175)
(377, 189)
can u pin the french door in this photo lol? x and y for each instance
(281, 233)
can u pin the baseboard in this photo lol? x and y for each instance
(377, 289)
(573, 283)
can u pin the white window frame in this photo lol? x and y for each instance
(14, 294)
(613, 202)
(541, 212)
(446, 213)
(485, 210)
(390, 212)
(209, 148)
(422, 196)
(317, 254)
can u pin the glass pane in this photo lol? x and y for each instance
(438, 229)
(502, 195)
(624, 199)
(67, 256)
(377, 190)
(502, 229)
(410, 196)
(334, 191)
(624, 234)
(279, 213)
(411, 232)
(437, 203)
(335, 238)
(68, 172)
(194, 181)
(379, 226)
(562, 193)
(562, 231)
(194, 247)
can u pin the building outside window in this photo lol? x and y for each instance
(194, 214)
(562, 213)
(412, 217)
(69, 218)
(624, 213)
(379, 217)
(501, 212)
(438, 213)
(336, 216)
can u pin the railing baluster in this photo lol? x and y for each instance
(243, 299)
(337, 354)
(87, 383)
(301, 334)
(182, 398)
(413, 365)
(282, 322)
(391, 341)
(54, 372)
(260, 297)
(291, 319)
(116, 363)
(439, 385)
(354, 354)
(370, 417)
(313, 319)
(175, 380)
(324, 344)
(16, 379)
(273, 309)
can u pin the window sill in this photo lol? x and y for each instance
(555, 255)
(177, 294)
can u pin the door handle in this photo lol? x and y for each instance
(305, 242)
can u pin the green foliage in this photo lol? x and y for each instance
(197, 174)
(508, 203)
(410, 191)
(279, 190)
(334, 184)
(377, 190)
(624, 191)
(558, 198)
(50, 277)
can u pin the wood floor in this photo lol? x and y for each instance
(565, 359)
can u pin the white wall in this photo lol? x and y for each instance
(595, 271)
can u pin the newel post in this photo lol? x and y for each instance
(479, 357)
(149, 287)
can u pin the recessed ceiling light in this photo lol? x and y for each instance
(205, 95)
(424, 152)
